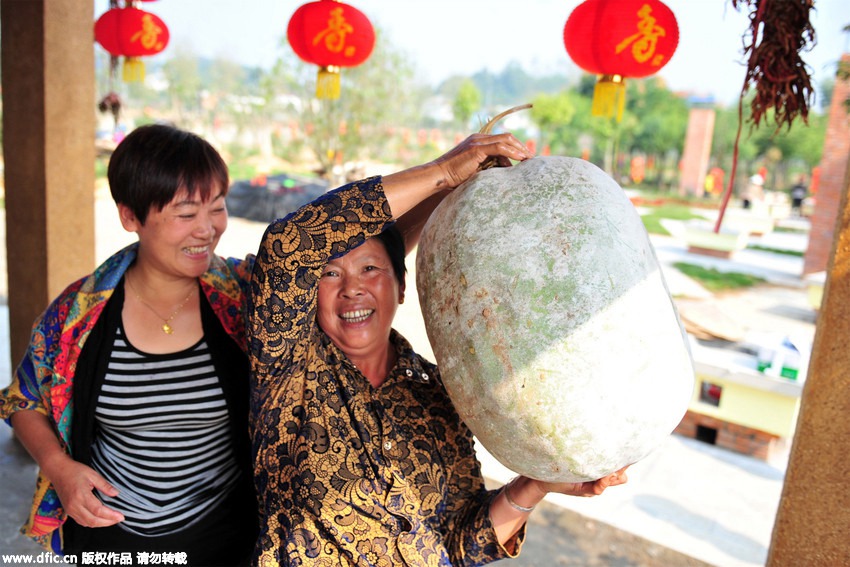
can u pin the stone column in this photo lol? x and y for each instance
(697, 150)
(48, 149)
(813, 521)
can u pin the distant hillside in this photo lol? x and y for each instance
(511, 85)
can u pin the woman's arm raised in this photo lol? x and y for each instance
(414, 193)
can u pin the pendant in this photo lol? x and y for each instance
(166, 328)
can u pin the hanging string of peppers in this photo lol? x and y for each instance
(780, 30)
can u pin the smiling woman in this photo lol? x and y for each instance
(361, 457)
(358, 297)
(132, 395)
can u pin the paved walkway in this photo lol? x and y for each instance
(686, 503)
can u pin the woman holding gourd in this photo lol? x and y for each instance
(360, 457)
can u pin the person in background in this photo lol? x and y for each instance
(753, 195)
(133, 394)
(798, 194)
(360, 456)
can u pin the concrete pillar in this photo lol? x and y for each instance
(813, 521)
(48, 148)
(833, 163)
(697, 150)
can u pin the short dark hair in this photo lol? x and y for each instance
(155, 161)
(393, 241)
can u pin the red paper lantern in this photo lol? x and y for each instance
(618, 39)
(131, 33)
(330, 34)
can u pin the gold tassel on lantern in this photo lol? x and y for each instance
(327, 82)
(609, 96)
(133, 70)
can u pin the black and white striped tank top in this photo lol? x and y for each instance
(163, 438)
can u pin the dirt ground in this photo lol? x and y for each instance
(560, 537)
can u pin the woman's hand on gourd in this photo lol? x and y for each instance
(589, 488)
(462, 161)
(74, 483)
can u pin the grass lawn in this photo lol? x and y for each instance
(776, 250)
(714, 280)
(652, 219)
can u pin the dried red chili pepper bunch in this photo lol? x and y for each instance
(779, 31)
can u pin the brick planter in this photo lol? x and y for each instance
(701, 239)
(731, 436)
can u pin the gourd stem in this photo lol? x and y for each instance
(487, 128)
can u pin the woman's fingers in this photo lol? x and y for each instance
(612, 479)
(76, 486)
(104, 516)
(92, 513)
(591, 487)
(102, 485)
(464, 160)
(503, 145)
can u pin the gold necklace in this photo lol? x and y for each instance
(166, 323)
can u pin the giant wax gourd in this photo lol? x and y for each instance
(551, 322)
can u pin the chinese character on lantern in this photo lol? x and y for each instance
(332, 35)
(617, 39)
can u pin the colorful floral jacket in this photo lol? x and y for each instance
(44, 380)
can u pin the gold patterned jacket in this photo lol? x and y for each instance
(349, 474)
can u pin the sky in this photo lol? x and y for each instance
(447, 37)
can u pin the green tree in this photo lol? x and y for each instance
(227, 93)
(654, 125)
(788, 150)
(553, 115)
(467, 102)
(226, 77)
(726, 126)
(827, 87)
(662, 117)
(510, 87)
(586, 85)
(844, 74)
(356, 126)
(785, 152)
(184, 83)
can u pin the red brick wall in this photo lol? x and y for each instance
(833, 180)
(758, 444)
